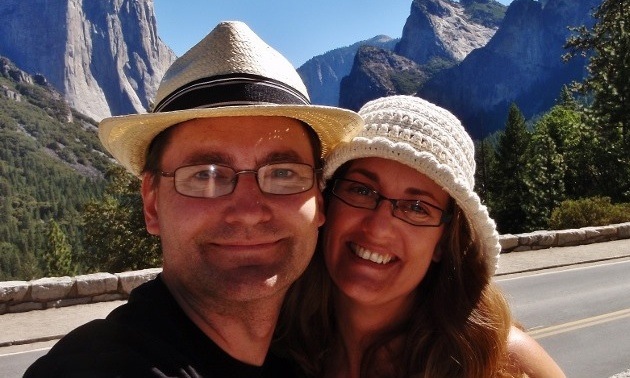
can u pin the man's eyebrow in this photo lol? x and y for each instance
(210, 158)
(229, 160)
(282, 156)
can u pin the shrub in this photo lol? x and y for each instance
(593, 211)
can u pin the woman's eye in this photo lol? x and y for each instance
(418, 207)
(361, 190)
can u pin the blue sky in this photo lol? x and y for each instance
(298, 29)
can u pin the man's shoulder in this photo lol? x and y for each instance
(98, 348)
(148, 336)
(126, 341)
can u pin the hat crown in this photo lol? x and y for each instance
(424, 127)
(230, 48)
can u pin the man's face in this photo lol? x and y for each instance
(246, 245)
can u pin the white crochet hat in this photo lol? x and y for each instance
(430, 139)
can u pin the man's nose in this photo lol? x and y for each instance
(249, 204)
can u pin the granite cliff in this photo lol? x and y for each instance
(442, 29)
(323, 73)
(376, 73)
(521, 64)
(437, 35)
(104, 56)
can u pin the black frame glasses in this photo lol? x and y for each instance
(216, 180)
(412, 211)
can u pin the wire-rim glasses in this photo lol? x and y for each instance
(412, 211)
(216, 180)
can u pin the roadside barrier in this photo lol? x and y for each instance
(51, 292)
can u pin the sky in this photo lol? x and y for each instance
(298, 29)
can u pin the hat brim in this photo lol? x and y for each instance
(127, 138)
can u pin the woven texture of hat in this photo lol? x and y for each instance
(431, 140)
(231, 47)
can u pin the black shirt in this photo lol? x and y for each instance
(149, 336)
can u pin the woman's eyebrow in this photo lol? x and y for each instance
(421, 193)
(411, 191)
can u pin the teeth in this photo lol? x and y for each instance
(366, 254)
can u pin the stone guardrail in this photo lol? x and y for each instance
(51, 292)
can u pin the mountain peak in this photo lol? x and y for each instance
(104, 56)
(443, 29)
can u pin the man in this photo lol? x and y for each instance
(229, 163)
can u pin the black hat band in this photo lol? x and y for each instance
(231, 90)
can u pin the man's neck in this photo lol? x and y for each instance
(242, 329)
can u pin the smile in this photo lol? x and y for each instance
(366, 254)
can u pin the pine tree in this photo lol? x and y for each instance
(607, 44)
(116, 239)
(58, 254)
(509, 209)
(544, 178)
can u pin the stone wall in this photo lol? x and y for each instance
(564, 238)
(43, 293)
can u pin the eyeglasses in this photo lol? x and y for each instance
(415, 212)
(215, 180)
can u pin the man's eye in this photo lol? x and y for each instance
(282, 173)
(210, 174)
(204, 175)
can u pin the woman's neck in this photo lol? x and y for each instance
(359, 326)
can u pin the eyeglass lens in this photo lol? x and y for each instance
(214, 180)
(360, 195)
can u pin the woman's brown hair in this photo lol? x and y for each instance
(458, 327)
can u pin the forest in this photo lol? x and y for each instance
(66, 208)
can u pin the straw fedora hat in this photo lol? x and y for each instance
(231, 72)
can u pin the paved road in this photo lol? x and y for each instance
(577, 315)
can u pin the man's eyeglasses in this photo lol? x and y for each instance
(215, 180)
(415, 212)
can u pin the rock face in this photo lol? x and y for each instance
(377, 73)
(521, 64)
(322, 74)
(441, 29)
(104, 56)
(437, 34)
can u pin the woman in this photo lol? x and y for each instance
(402, 284)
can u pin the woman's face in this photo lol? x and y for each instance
(373, 257)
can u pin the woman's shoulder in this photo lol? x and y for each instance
(529, 356)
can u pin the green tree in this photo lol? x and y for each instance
(544, 178)
(577, 144)
(509, 208)
(485, 173)
(607, 44)
(58, 254)
(116, 239)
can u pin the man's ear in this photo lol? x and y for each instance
(149, 204)
(321, 211)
